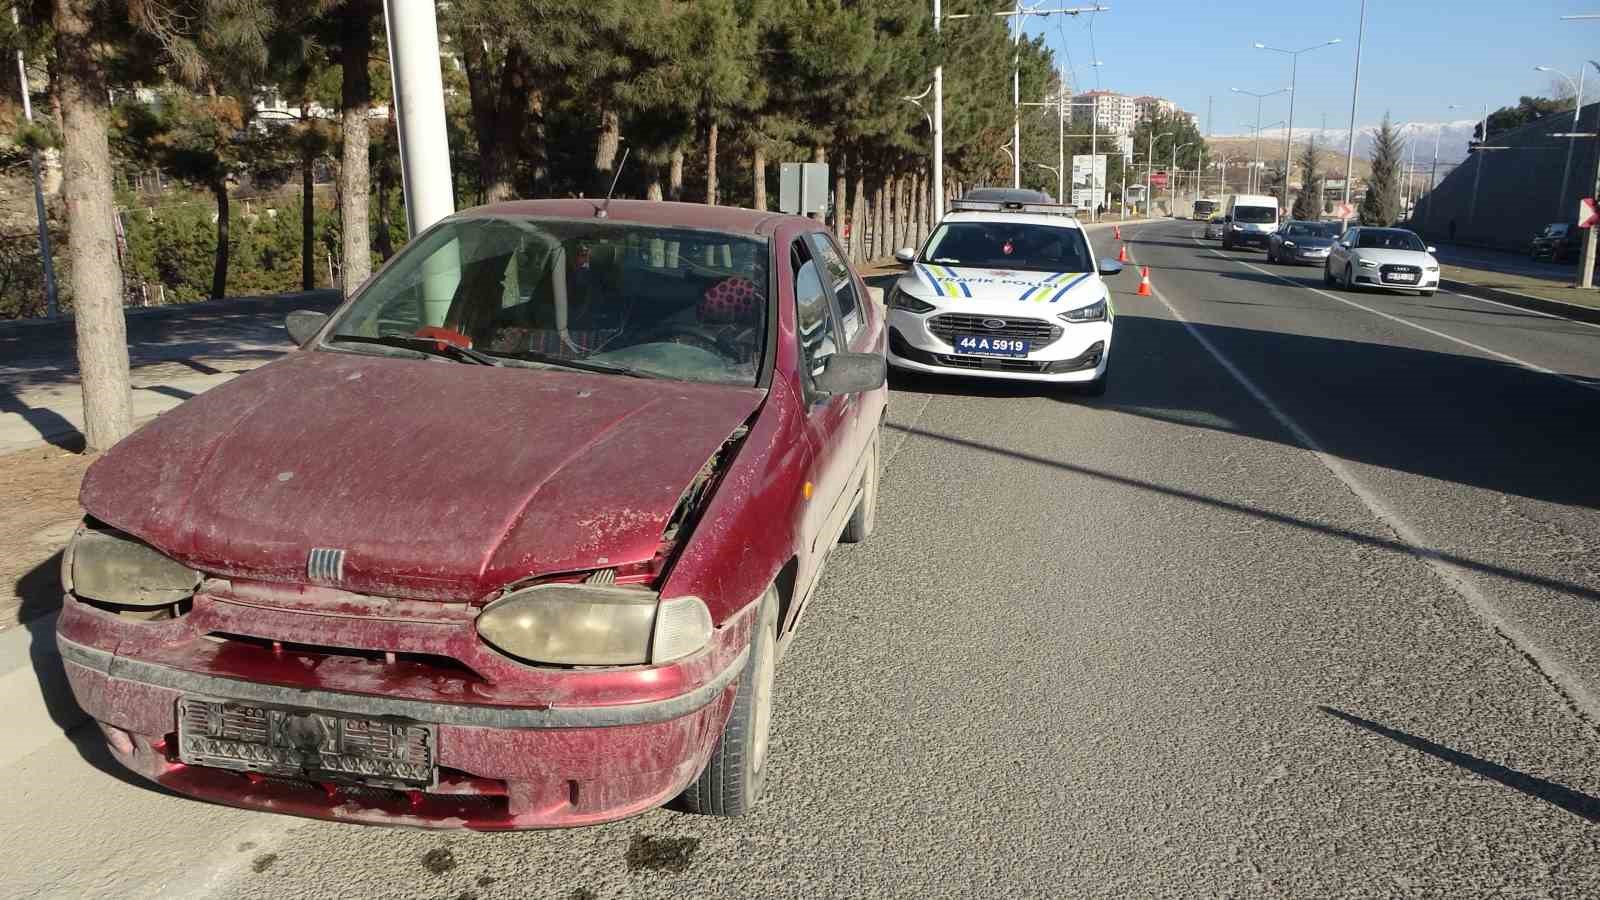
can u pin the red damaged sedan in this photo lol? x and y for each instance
(515, 539)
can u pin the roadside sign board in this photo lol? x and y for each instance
(1588, 216)
(803, 188)
(1088, 180)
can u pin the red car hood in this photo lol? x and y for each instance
(438, 480)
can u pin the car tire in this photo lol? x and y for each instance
(1327, 276)
(1425, 293)
(865, 516)
(1226, 244)
(1349, 281)
(731, 783)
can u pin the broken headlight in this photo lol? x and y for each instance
(594, 625)
(112, 567)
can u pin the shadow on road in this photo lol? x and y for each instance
(53, 427)
(1579, 804)
(1446, 417)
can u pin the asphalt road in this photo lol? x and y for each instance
(1306, 605)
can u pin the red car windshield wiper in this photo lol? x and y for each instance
(430, 346)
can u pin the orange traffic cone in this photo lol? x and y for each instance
(1122, 255)
(1116, 232)
(1144, 282)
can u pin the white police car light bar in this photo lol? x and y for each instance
(1013, 206)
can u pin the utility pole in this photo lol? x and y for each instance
(1477, 168)
(51, 307)
(1294, 72)
(1016, 13)
(413, 32)
(1577, 107)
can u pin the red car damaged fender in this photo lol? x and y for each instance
(388, 580)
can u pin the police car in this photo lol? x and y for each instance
(1004, 289)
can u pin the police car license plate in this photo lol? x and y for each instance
(985, 345)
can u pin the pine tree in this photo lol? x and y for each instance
(1381, 205)
(1306, 203)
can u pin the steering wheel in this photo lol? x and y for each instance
(693, 336)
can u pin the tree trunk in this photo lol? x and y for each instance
(308, 212)
(219, 268)
(501, 99)
(605, 153)
(653, 190)
(919, 206)
(355, 38)
(711, 164)
(840, 198)
(758, 177)
(891, 214)
(858, 220)
(675, 175)
(881, 219)
(102, 330)
(818, 154)
(386, 186)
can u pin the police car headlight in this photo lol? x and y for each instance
(1094, 312)
(899, 299)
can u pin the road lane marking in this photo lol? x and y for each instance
(1505, 357)
(1455, 576)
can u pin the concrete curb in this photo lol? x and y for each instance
(320, 297)
(1524, 301)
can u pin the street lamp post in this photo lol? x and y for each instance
(1294, 71)
(1586, 268)
(1577, 107)
(1259, 97)
(1149, 170)
(1172, 188)
(1355, 91)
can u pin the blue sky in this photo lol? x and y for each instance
(1419, 56)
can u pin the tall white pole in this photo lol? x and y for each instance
(1061, 140)
(51, 309)
(938, 124)
(1094, 160)
(1566, 172)
(1016, 95)
(1255, 170)
(1477, 168)
(419, 111)
(1355, 91)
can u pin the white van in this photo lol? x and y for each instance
(1251, 218)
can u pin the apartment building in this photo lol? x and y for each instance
(1111, 112)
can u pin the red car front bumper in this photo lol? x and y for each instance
(502, 764)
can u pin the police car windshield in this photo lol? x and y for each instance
(1009, 245)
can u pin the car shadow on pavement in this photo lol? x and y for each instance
(1579, 804)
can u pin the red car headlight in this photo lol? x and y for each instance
(594, 625)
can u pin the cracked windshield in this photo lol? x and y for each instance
(727, 448)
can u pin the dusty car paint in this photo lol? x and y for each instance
(444, 483)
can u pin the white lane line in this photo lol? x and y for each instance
(1456, 577)
(1506, 357)
(1521, 309)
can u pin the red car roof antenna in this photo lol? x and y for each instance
(600, 211)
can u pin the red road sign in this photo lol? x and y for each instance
(1588, 216)
(1158, 179)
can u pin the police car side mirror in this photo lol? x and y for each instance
(904, 256)
(1110, 267)
(1432, 249)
